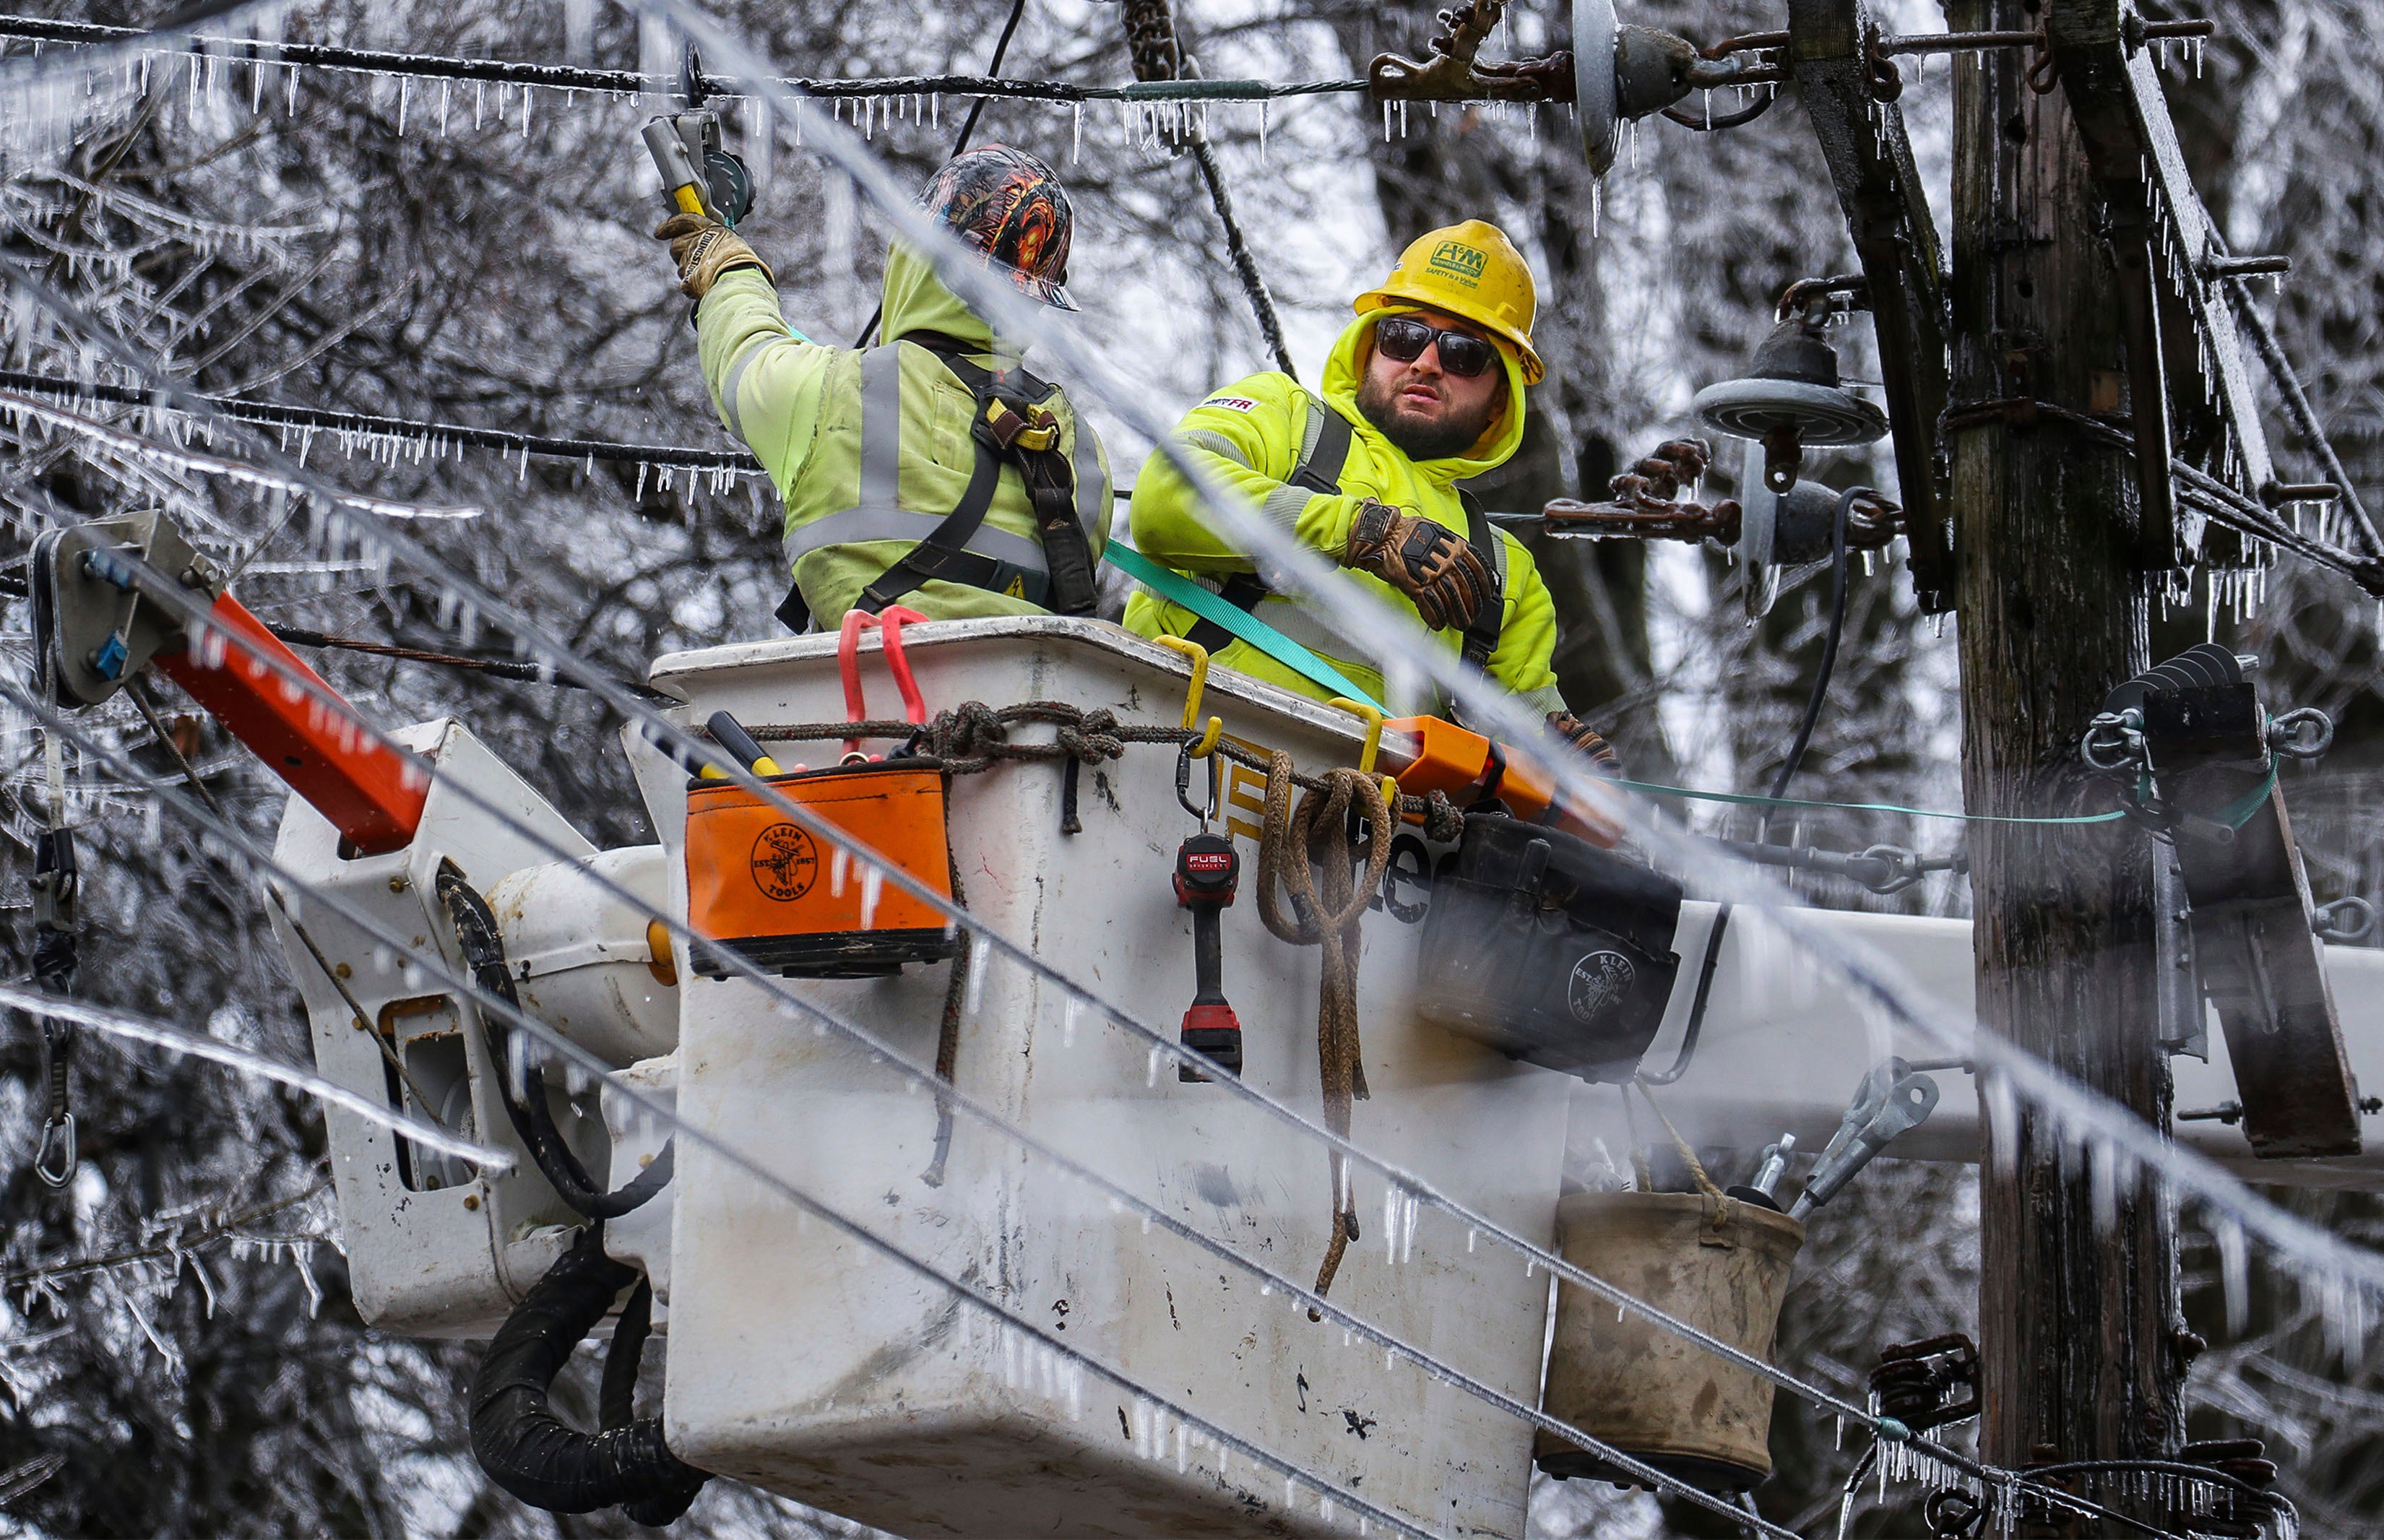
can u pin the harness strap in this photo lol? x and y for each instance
(1244, 590)
(1006, 428)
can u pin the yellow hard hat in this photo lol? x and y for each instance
(1471, 271)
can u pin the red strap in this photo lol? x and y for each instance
(848, 663)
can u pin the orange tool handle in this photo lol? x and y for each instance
(266, 697)
(1449, 759)
(848, 664)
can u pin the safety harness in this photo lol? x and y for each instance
(1330, 447)
(1013, 428)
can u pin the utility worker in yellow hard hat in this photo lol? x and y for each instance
(1424, 388)
(932, 469)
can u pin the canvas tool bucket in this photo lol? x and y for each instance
(1718, 1264)
(771, 891)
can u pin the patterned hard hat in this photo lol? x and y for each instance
(1009, 205)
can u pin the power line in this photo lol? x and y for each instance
(436, 435)
(631, 82)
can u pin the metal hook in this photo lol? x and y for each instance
(2114, 741)
(59, 1139)
(2307, 733)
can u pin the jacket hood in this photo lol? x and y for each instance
(1347, 364)
(917, 299)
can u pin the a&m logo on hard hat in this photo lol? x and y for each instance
(1459, 261)
(786, 863)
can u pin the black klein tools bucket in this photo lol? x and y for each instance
(1549, 950)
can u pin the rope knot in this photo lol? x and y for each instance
(1093, 737)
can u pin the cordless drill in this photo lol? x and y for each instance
(1207, 870)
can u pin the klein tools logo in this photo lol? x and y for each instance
(786, 863)
(1598, 984)
(1459, 261)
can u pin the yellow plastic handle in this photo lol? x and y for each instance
(688, 200)
(1372, 717)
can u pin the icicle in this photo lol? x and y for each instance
(1076, 134)
(405, 97)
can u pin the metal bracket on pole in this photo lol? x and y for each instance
(1862, 138)
(2172, 265)
(2208, 750)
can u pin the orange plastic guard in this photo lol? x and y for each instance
(316, 743)
(1428, 753)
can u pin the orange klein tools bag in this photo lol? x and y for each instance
(775, 891)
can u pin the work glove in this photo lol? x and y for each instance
(1437, 569)
(1586, 740)
(704, 248)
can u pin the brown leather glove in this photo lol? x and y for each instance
(1434, 566)
(1585, 739)
(704, 248)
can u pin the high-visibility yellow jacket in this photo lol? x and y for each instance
(1250, 435)
(869, 449)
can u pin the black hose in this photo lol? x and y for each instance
(535, 1454)
(1690, 1033)
(1828, 654)
(533, 1121)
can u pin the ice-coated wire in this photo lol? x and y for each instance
(434, 965)
(2296, 400)
(198, 1045)
(181, 1244)
(438, 434)
(631, 82)
(132, 447)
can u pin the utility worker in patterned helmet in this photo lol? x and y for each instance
(932, 469)
(1425, 387)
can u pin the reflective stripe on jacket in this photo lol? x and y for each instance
(870, 449)
(1251, 436)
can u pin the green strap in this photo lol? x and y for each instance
(1176, 589)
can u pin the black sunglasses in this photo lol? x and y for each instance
(1403, 339)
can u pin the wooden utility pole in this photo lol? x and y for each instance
(2079, 1317)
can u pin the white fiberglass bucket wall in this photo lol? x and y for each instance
(808, 1365)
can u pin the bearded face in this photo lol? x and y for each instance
(1425, 411)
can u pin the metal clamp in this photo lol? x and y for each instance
(2306, 733)
(1894, 1099)
(2114, 741)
